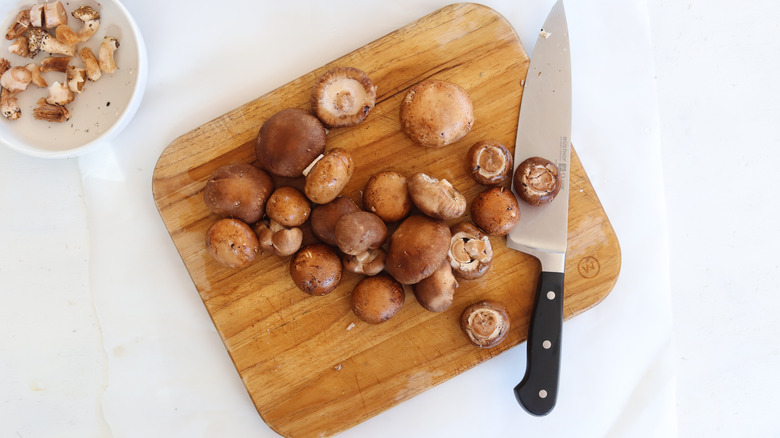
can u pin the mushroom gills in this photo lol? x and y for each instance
(345, 97)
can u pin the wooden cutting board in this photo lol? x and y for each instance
(310, 366)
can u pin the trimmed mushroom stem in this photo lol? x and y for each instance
(19, 26)
(16, 79)
(37, 79)
(54, 14)
(91, 19)
(8, 105)
(40, 40)
(20, 47)
(66, 35)
(76, 76)
(90, 64)
(55, 63)
(60, 94)
(106, 54)
(370, 262)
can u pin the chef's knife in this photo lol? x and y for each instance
(544, 130)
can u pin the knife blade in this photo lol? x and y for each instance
(544, 130)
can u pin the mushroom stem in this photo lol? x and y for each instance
(311, 165)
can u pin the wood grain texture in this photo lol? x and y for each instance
(307, 369)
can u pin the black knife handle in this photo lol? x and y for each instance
(538, 390)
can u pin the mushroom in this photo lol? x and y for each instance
(40, 40)
(16, 79)
(50, 112)
(377, 299)
(278, 240)
(485, 323)
(19, 26)
(436, 198)
(490, 162)
(37, 78)
(288, 206)
(59, 94)
(387, 196)
(91, 64)
(436, 113)
(328, 176)
(316, 269)
(436, 293)
(9, 106)
(91, 19)
(325, 217)
(54, 14)
(76, 77)
(342, 97)
(36, 15)
(5, 65)
(471, 252)
(55, 63)
(20, 47)
(66, 35)
(289, 141)
(417, 247)
(537, 181)
(106, 54)
(495, 211)
(369, 262)
(360, 231)
(238, 190)
(232, 243)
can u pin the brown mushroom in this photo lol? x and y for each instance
(325, 217)
(19, 26)
(316, 269)
(436, 113)
(9, 106)
(16, 79)
(76, 77)
(436, 293)
(436, 198)
(417, 247)
(471, 252)
(485, 323)
(66, 35)
(55, 63)
(39, 40)
(288, 206)
(342, 97)
(91, 64)
(537, 181)
(369, 262)
(232, 243)
(377, 299)
(289, 141)
(278, 240)
(386, 195)
(360, 231)
(495, 211)
(328, 176)
(490, 162)
(37, 78)
(90, 19)
(238, 190)
(106, 54)
(50, 112)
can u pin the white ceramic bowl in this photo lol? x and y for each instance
(102, 110)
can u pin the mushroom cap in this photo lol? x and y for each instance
(360, 231)
(316, 269)
(232, 243)
(490, 162)
(537, 181)
(288, 206)
(436, 198)
(377, 299)
(471, 252)
(329, 175)
(436, 293)
(325, 217)
(289, 141)
(495, 211)
(436, 113)
(417, 247)
(485, 323)
(343, 96)
(386, 195)
(238, 190)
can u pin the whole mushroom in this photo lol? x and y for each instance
(239, 191)
(436, 293)
(485, 323)
(471, 252)
(325, 217)
(417, 247)
(289, 141)
(232, 243)
(360, 231)
(495, 211)
(436, 198)
(316, 269)
(288, 206)
(537, 181)
(377, 299)
(490, 162)
(343, 96)
(436, 113)
(328, 176)
(386, 195)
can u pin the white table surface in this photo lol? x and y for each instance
(102, 333)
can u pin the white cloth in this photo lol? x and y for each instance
(104, 334)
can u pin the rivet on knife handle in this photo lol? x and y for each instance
(538, 390)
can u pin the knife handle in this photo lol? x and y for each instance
(538, 390)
